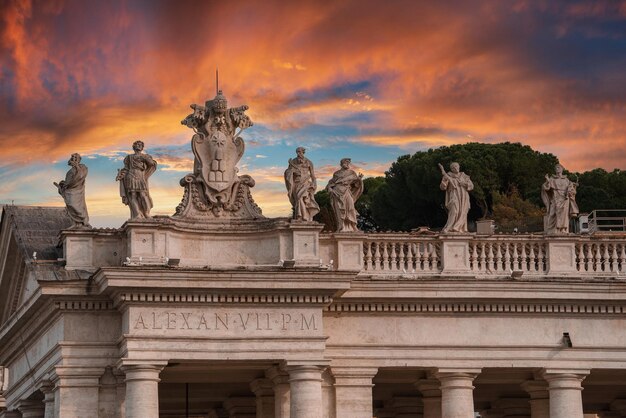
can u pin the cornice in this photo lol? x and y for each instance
(482, 307)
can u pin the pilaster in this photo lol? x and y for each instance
(431, 396)
(76, 391)
(263, 389)
(353, 391)
(539, 398)
(282, 399)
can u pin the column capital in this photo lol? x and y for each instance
(564, 378)
(76, 376)
(262, 387)
(277, 375)
(537, 389)
(456, 377)
(353, 376)
(429, 388)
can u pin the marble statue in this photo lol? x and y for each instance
(301, 185)
(133, 178)
(345, 188)
(214, 189)
(457, 186)
(73, 191)
(559, 195)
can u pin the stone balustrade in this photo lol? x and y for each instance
(281, 243)
(487, 255)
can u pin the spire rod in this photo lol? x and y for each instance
(217, 81)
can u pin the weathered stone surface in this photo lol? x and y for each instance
(214, 190)
(457, 186)
(559, 195)
(345, 188)
(73, 191)
(301, 185)
(133, 178)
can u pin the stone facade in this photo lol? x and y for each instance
(271, 318)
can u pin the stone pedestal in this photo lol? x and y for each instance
(142, 390)
(349, 250)
(305, 382)
(263, 389)
(457, 397)
(353, 391)
(561, 256)
(565, 388)
(539, 398)
(282, 399)
(431, 397)
(455, 254)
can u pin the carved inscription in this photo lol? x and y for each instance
(227, 322)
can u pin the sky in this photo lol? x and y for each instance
(366, 79)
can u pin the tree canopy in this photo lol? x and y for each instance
(507, 181)
(410, 196)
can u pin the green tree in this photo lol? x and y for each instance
(410, 196)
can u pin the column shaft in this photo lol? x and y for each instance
(142, 391)
(75, 396)
(457, 397)
(431, 397)
(280, 380)
(305, 383)
(565, 394)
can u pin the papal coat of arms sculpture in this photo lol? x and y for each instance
(215, 190)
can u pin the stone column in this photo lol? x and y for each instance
(353, 391)
(47, 388)
(539, 398)
(31, 408)
(263, 389)
(457, 397)
(431, 397)
(280, 380)
(305, 383)
(328, 395)
(565, 388)
(76, 391)
(142, 390)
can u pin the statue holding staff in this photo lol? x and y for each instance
(73, 191)
(559, 195)
(457, 186)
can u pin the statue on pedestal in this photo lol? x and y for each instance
(133, 178)
(559, 195)
(214, 190)
(73, 191)
(344, 189)
(301, 185)
(457, 186)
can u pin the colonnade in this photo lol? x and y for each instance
(299, 391)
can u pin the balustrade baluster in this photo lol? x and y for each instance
(393, 259)
(622, 258)
(425, 257)
(489, 261)
(597, 262)
(435, 258)
(410, 264)
(368, 255)
(385, 264)
(588, 258)
(482, 257)
(473, 256)
(580, 261)
(515, 257)
(401, 265)
(614, 266)
(533, 266)
(605, 258)
(497, 264)
(507, 257)
(377, 264)
(418, 256)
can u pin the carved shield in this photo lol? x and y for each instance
(218, 157)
